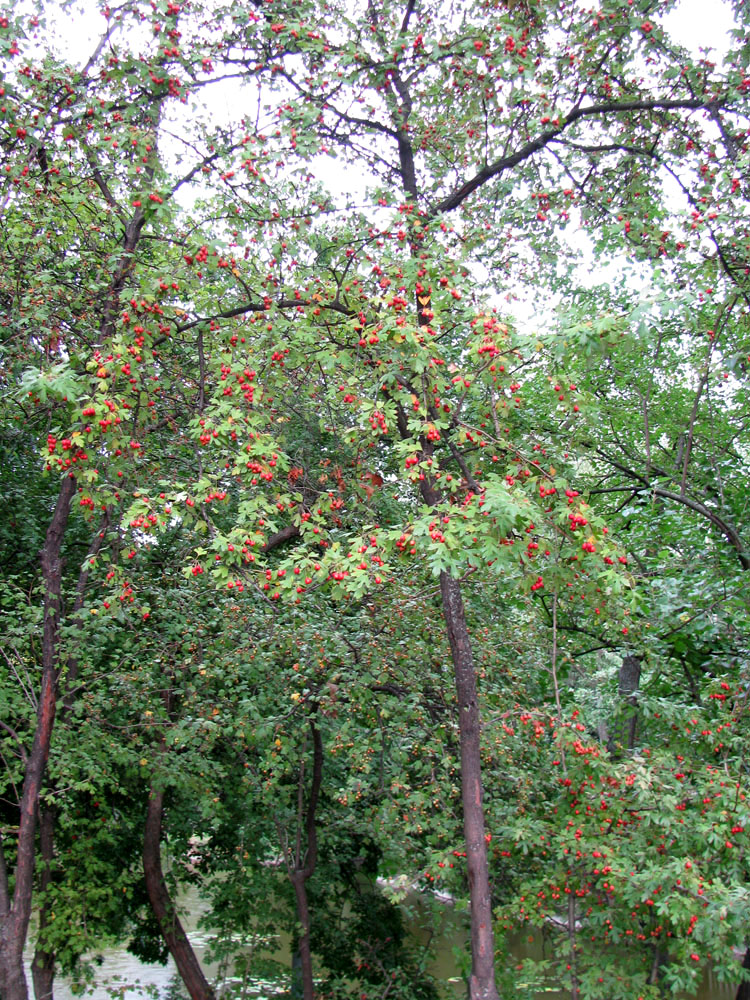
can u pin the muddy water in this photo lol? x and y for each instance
(123, 976)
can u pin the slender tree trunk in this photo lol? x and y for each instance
(43, 965)
(659, 962)
(623, 736)
(301, 866)
(164, 909)
(303, 942)
(482, 982)
(297, 989)
(16, 913)
(574, 986)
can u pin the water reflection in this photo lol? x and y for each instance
(437, 929)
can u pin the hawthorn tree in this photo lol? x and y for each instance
(324, 385)
(589, 103)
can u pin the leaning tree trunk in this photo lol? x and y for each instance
(15, 913)
(164, 909)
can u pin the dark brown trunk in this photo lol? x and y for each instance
(302, 867)
(482, 982)
(303, 942)
(630, 676)
(12, 981)
(572, 963)
(15, 914)
(43, 965)
(164, 909)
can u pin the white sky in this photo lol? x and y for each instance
(701, 23)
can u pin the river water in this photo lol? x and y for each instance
(123, 977)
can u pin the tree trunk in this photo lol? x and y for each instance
(482, 982)
(43, 965)
(15, 914)
(301, 868)
(174, 934)
(572, 946)
(743, 992)
(623, 737)
(296, 986)
(304, 954)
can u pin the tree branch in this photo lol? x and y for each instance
(730, 533)
(407, 16)
(311, 855)
(591, 111)
(21, 748)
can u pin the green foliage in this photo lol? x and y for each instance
(649, 848)
(291, 399)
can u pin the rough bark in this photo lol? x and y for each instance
(482, 982)
(16, 913)
(164, 909)
(303, 955)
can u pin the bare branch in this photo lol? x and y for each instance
(407, 16)
(528, 149)
(21, 748)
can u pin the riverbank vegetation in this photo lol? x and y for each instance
(374, 444)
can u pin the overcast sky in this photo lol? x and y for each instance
(694, 23)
